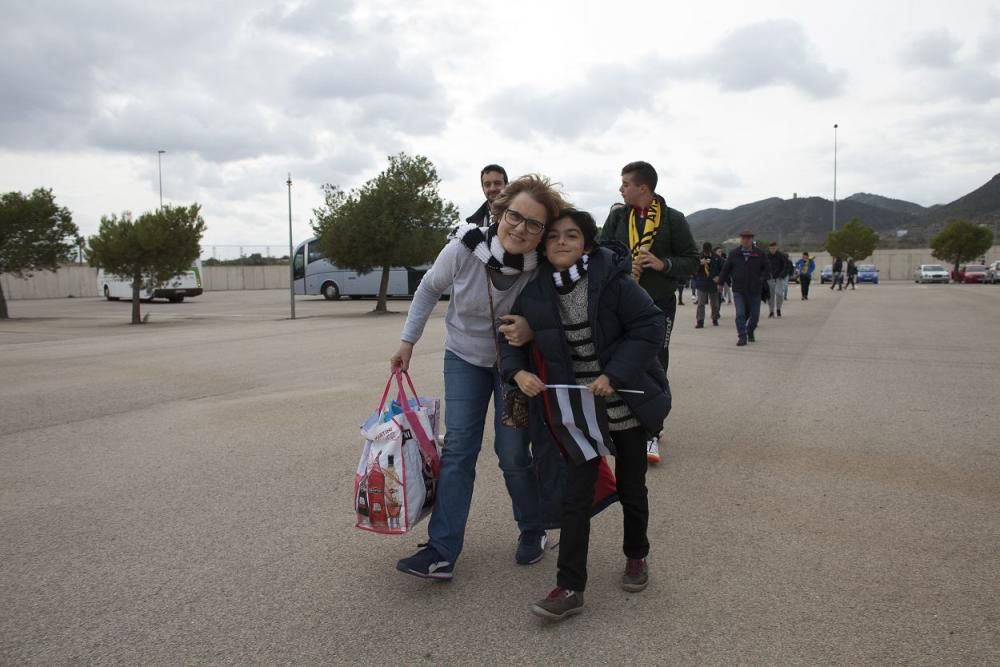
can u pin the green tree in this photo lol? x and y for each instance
(149, 250)
(856, 240)
(396, 219)
(961, 241)
(35, 235)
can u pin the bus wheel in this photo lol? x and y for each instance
(330, 291)
(107, 294)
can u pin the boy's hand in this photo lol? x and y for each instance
(529, 383)
(601, 386)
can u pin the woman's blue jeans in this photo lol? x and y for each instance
(467, 392)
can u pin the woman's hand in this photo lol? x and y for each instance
(516, 330)
(529, 383)
(401, 360)
(601, 386)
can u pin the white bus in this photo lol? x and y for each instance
(314, 274)
(182, 285)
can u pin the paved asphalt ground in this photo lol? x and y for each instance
(180, 493)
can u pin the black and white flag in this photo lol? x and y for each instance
(580, 423)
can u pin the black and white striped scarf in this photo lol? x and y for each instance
(573, 274)
(485, 245)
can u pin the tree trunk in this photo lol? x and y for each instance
(136, 282)
(380, 307)
(4, 315)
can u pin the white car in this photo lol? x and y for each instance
(992, 273)
(931, 273)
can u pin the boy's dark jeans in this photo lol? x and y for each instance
(574, 539)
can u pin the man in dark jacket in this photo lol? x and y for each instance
(778, 264)
(749, 270)
(662, 248)
(709, 266)
(838, 274)
(493, 178)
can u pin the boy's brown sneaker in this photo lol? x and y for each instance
(636, 576)
(559, 604)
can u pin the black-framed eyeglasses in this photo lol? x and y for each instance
(514, 219)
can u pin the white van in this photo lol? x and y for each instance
(182, 285)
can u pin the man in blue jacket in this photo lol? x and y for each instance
(749, 269)
(805, 267)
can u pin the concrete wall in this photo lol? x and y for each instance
(82, 280)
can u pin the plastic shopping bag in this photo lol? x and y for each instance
(397, 474)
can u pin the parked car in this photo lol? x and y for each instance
(993, 273)
(970, 273)
(826, 274)
(868, 273)
(931, 273)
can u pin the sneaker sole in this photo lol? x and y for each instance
(436, 576)
(634, 588)
(546, 614)
(652, 458)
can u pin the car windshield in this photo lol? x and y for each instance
(828, 267)
(933, 267)
(867, 267)
(975, 267)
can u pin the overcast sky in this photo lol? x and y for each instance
(732, 102)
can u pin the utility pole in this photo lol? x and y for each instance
(835, 177)
(291, 257)
(159, 169)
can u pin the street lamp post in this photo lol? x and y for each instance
(159, 169)
(835, 177)
(291, 257)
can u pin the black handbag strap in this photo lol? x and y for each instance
(493, 315)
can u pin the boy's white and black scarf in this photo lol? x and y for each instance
(573, 274)
(486, 246)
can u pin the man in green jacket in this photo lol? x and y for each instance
(663, 250)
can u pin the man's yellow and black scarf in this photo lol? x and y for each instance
(643, 241)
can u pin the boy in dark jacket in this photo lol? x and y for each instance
(593, 326)
(709, 266)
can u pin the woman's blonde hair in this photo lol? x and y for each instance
(539, 188)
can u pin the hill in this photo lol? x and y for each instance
(807, 220)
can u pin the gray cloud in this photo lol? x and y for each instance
(935, 49)
(764, 54)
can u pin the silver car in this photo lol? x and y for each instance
(931, 273)
(993, 273)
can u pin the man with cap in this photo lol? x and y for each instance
(805, 267)
(709, 266)
(493, 179)
(778, 267)
(749, 269)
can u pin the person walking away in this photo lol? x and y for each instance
(594, 326)
(805, 266)
(663, 249)
(777, 266)
(852, 274)
(709, 266)
(838, 274)
(681, 286)
(480, 264)
(493, 179)
(725, 289)
(789, 270)
(749, 270)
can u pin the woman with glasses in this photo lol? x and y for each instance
(480, 265)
